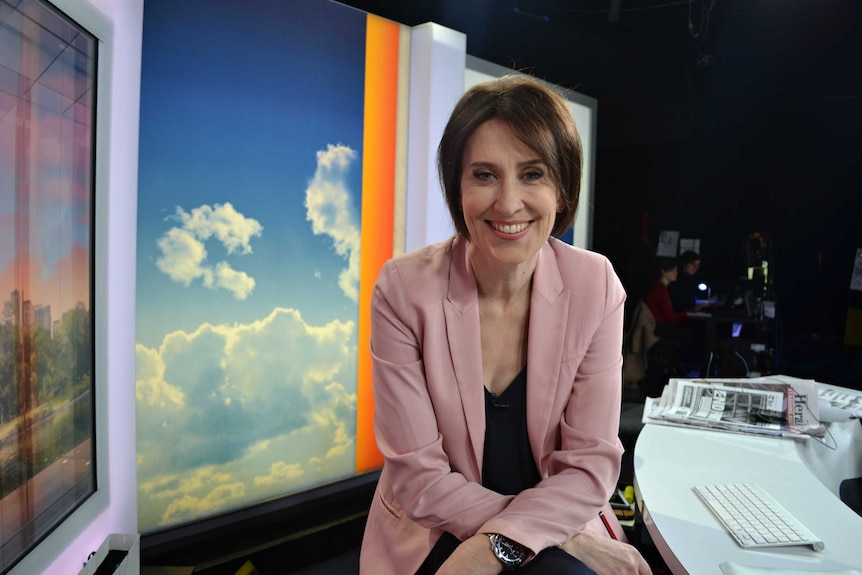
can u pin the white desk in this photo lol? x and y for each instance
(803, 476)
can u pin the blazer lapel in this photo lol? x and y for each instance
(549, 306)
(462, 328)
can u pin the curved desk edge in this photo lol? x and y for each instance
(670, 461)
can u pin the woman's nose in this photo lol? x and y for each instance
(508, 199)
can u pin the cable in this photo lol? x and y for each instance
(701, 33)
(705, 19)
(745, 363)
(833, 447)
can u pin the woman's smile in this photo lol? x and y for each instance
(509, 231)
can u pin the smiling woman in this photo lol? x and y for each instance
(497, 362)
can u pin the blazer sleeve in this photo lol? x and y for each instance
(582, 472)
(424, 485)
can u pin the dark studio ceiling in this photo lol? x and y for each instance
(663, 70)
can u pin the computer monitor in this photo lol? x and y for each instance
(743, 297)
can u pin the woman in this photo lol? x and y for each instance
(658, 299)
(497, 362)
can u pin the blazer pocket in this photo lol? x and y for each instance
(569, 366)
(391, 506)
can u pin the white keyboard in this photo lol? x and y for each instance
(754, 518)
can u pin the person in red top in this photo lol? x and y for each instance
(657, 298)
(668, 322)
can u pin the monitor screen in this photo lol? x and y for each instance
(47, 368)
(254, 196)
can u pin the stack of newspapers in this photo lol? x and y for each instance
(776, 406)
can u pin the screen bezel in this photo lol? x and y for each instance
(112, 508)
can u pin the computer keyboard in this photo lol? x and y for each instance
(754, 518)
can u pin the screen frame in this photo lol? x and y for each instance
(60, 500)
(117, 26)
(305, 518)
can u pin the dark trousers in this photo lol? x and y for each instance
(551, 561)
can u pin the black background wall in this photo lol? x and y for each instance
(717, 119)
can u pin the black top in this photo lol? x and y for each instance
(508, 466)
(683, 292)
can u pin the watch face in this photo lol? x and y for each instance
(510, 553)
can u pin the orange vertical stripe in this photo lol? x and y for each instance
(378, 197)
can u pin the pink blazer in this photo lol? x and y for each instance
(430, 410)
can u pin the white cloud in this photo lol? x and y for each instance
(240, 284)
(258, 405)
(183, 256)
(328, 208)
(151, 387)
(183, 252)
(279, 472)
(224, 223)
(188, 507)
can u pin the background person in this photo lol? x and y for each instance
(684, 292)
(657, 297)
(682, 348)
(497, 362)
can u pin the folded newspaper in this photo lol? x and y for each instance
(849, 402)
(777, 406)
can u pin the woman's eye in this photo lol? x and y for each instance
(533, 175)
(483, 176)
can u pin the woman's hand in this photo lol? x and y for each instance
(472, 557)
(606, 556)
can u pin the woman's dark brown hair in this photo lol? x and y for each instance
(538, 115)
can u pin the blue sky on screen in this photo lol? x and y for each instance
(248, 237)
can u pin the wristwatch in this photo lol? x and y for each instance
(510, 554)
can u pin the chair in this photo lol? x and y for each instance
(637, 342)
(652, 353)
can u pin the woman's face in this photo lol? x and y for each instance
(670, 275)
(508, 196)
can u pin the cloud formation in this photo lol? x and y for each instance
(329, 209)
(223, 223)
(184, 256)
(229, 414)
(232, 414)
